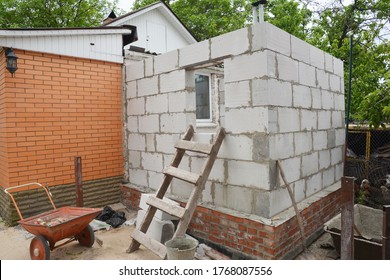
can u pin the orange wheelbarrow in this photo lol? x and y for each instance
(67, 222)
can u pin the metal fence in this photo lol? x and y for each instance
(368, 160)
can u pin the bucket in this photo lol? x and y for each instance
(181, 248)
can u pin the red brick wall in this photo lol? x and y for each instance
(3, 146)
(253, 238)
(57, 108)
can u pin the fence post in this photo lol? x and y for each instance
(79, 182)
(386, 233)
(347, 218)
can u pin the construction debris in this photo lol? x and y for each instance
(205, 252)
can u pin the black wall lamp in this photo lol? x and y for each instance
(12, 61)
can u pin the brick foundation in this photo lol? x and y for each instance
(251, 237)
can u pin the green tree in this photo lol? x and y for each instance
(367, 21)
(53, 13)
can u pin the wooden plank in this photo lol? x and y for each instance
(347, 218)
(182, 174)
(153, 245)
(203, 148)
(167, 207)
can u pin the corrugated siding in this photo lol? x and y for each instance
(107, 47)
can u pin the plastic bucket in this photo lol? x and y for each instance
(181, 248)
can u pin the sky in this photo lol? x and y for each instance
(125, 5)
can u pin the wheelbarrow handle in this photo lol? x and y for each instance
(7, 191)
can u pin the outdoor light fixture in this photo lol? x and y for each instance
(12, 61)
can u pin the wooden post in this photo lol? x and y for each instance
(347, 218)
(79, 182)
(386, 233)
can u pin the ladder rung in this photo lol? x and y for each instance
(182, 174)
(203, 148)
(167, 207)
(153, 245)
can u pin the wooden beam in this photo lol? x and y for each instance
(347, 218)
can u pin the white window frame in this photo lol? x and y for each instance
(209, 120)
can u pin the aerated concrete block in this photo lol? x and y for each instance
(324, 159)
(138, 177)
(271, 92)
(301, 97)
(248, 174)
(309, 164)
(338, 67)
(237, 120)
(149, 67)
(279, 201)
(155, 179)
(328, 177)
(287, 68)
(166, 62)
(150, 142)
(317, 58)
(237, 94)
(194, 54)
(320, 140)
(175, 81)
(316, 95)
(328, 63)
(337, 119)
(303, 142)
(136, 106)
(322, 79)
(135, 71)
(335, 83)
(232, 43)
(136, 142)
(327, 99)
(173, 123)
(289, 120)
(291, 168)
(300, 50)
(236, 147)
(182, 101)
(308, 120)
(313, 184)
(132, 124)
(281, 146)
(268, 36)
(250, 66)
(148, 124)
(131, 90)
(324, 120)
(147, 86)
(158, 230)
(152, 161)
(239, 199)
(307, 74)
(157, 104)
(165, 143)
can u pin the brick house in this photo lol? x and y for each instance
(64, 101)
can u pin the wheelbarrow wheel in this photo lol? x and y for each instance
(86, 237)
(39, 248)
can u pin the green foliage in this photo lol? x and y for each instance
(53, 13)
(367, 22)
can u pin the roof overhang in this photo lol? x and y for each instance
(102, 43)
(166, 11)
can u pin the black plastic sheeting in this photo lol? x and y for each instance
(112, 217)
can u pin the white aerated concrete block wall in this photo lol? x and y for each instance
(280, 99)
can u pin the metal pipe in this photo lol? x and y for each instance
(261, 17)
(79, 182)
(255, 17)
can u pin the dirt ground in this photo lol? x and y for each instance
(15, 242)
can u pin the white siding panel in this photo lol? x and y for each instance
(107, 47)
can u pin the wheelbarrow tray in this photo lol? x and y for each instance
(369, 221)
(61, 223)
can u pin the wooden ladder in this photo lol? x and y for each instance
(198, 180)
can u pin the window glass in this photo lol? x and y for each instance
(202, 88)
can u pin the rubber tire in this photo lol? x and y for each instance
(86, 237)
(39, 248)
